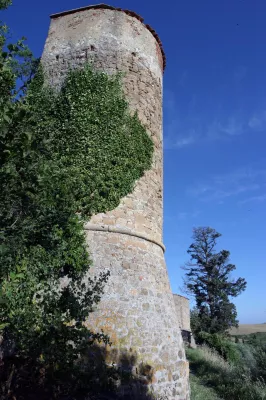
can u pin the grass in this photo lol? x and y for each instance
(214, 378)
(201, 392)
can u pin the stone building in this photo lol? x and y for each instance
(183, 315)
(137, 309)
(183, 312)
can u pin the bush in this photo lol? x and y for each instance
(221, 345)
(260, 358)
(65, 156)
(229, 381)
(247, 356)
(199, 391)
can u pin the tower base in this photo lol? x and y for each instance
(137, 312)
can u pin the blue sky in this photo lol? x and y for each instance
(214, 125)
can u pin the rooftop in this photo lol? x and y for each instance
(128, 12)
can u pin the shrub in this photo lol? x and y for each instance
(260, 358)
(65, 156)
(199, 391)
(229, 381)
(221, 345)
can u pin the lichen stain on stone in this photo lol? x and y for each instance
(74, 24)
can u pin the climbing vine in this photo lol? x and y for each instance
(67, 154)
(93, 133)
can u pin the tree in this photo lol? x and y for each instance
(208, 279)
(64, 156)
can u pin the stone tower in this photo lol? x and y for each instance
(137, 310)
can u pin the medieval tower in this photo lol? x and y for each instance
(137, 310)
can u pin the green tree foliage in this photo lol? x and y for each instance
(17, 65)
(65, 155)
(208, 279)
(224, 346)
(4, 4)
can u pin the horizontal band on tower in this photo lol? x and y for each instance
(123, 231)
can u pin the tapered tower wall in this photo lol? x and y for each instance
(137, 309)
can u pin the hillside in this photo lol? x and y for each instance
(246, 329)
(241, 377)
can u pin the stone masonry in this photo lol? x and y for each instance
(183, 311)
(137, 309)
(183, 317)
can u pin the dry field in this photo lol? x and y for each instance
(246, 329)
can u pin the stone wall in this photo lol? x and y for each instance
(137, 309)
(114, 41)
(182, 311)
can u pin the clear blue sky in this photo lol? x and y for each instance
(214, 125)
